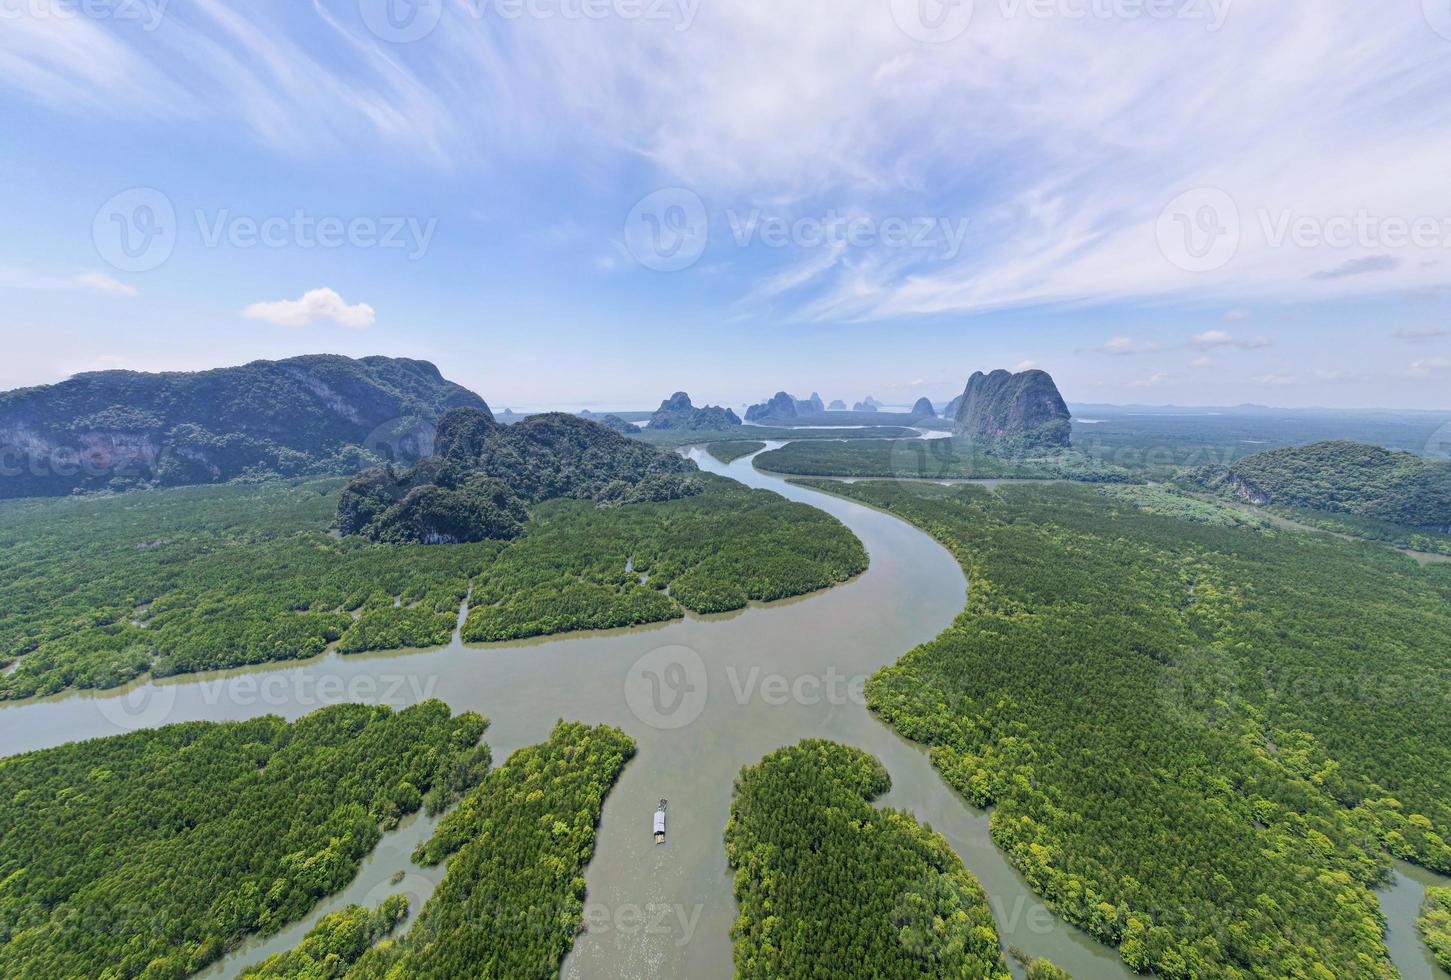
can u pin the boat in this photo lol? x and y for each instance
(660, 824)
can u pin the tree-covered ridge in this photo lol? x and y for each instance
(729, 452)
(150, 854)
(581, 567)
(98, 590)
(319, 413)
(512, 899)
(1346, 477)
(1197, 737)
(1435, 924)
(1006, 409)
(676, 412)
(914, 458)
(333, 945)
(831, 886)
(485, 475)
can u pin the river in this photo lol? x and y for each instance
(702, 697)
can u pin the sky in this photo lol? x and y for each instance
(594, 203)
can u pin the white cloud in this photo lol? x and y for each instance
(1200, 363)
(101, 282)
(1235, 316)
(17, 278)
(1429, 366)
(1274, 378)
(1210, 339)
(315, 304)
(1061, 139)
(1153, 380)
(1025, 366)
(1125, 346)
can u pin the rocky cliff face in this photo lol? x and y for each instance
(867, 404)
(319, 413)
(837, 405)
(676, 412)
(1020, 410)
(811, 406)
(781, 406)
(923, 409)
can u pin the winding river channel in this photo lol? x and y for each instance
(702, 697)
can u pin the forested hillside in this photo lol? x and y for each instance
(1203, 742)
(321, 413)
(830, 886)
(1346, 477)
(149, 854)
(485, 476)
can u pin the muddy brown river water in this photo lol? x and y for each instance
(702, 697)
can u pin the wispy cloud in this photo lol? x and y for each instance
(1125, 347)
(1358, 267)
(1421, 335)
(1062, 140)
(101, 282)
(1210, 339)
(17, 278)
(314, 305)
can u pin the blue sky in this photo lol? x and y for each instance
(570, 203)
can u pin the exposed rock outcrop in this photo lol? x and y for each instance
(923, 409)
(1021, 410)
(676, 412)
(781, 406)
